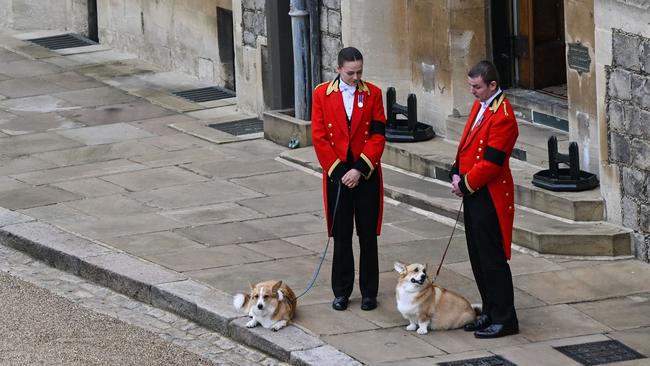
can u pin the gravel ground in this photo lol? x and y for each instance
(50, 317)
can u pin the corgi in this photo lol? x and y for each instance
(427, 306)
(270, 303)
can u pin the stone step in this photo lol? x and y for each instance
(433, 159)
(540, 108)
(533, 230)
(532, 143)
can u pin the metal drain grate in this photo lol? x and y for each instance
(598, 353)
(483, 361)
(205, 94)
(63, 41)
(242, 127)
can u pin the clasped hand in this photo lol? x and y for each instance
(455, 189)
(351, 178)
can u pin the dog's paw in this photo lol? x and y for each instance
(412, 327)
(251, 324)
(423, 330)
(279, 325)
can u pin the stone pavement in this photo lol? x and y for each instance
(104, 173)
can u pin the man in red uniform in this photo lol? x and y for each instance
(348, 127)
(481, 176)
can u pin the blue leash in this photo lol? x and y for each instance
(315, 275)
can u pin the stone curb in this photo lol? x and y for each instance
(159, 287)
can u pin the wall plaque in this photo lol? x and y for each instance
(578, 58)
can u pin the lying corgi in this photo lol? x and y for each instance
(427, 306)
(271, 303)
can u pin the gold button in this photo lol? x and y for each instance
(367, 123)
(504, 182)
(481, 142)
(331, 134)
(365, 140)
(479, 149)
(477, 157)
(507, 194)
(366, 132)
(332, 143)
(509, 207)
(329, 125)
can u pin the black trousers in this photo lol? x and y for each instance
(359, 205)
(489, 262)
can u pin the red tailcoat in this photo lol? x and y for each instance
(483, 156)
(332, 139)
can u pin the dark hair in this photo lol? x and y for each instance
(486, 70)
(349, 54)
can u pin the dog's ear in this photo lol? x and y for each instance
(400, 267)
(251, 286)
(276, 290)
(426, 267)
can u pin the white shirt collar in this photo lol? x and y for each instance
(489, 101)
(345, 87)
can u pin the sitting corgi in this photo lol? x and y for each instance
(271, 303)
(427, 306)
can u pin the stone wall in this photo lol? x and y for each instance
(628, 112)
(253, 21)
(64, 15)
(177, 35)
(331, 42)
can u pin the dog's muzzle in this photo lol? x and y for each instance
(420, 281)
(260, 306)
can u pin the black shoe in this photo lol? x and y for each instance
(496, 331)
(340, 303)
(481, 322)
(368, 303)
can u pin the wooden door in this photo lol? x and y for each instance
(540, 43)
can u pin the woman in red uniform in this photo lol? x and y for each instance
(348, 127)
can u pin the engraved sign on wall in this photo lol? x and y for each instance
(578, 57)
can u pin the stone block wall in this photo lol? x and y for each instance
(64, 15)
(628, 114)
(331, 41)
(253, 21)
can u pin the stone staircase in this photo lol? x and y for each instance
(558, 223)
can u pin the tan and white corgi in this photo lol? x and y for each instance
(270, 303)
(427, 306)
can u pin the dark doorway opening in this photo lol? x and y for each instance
(226, 42)
(528, 44)
(278, 70)
(93, 31)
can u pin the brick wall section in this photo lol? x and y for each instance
(254, 21)
(628, 115)
(331, 42)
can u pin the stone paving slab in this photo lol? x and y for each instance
(107, 206)
(125, 112)
(79, 171)
(635, 307)
(34, 196)
(35, 143)
(590, 283)
(107, 134)
(153, 178)
(27, 68)
(385, 345)
(194, 194)
(21, 164)
(196, 259)
(97, 153)
(286, 204)
(213, 214)
(90, 187)
(27, 87)
(93, 97)
(110, 226)
(40, 122)
(37, 104)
